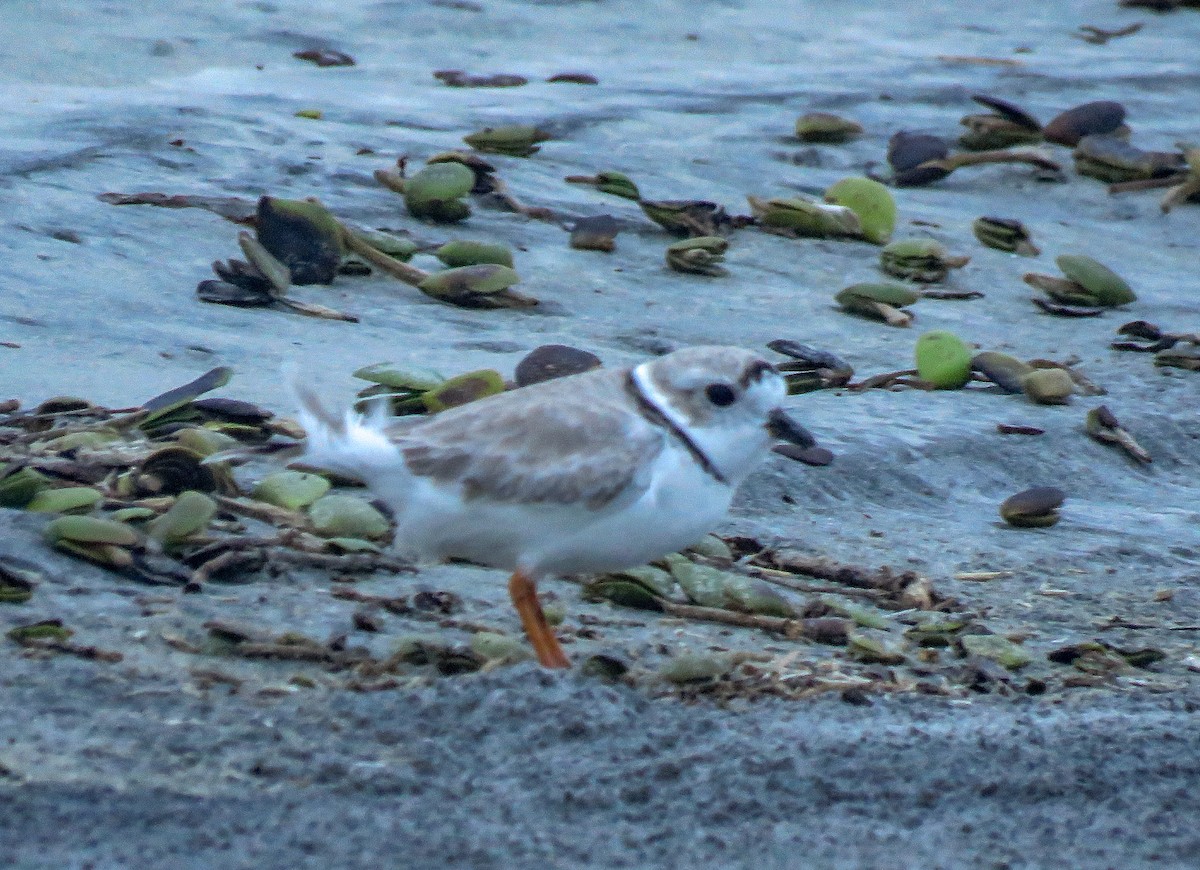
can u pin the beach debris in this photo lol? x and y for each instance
(826, 128)
(188, 515)
(1098, 117)
(488, 188)
(574, 78)
(324, 57)
(293, 490)
(802, 218)
(1019, 429)
(435, 192)
(879, 301)
(1006, 372)
(65, 499)
(997, 648)
(1180, 350)
(1188, 187)
(699, 255)
(551, 361)
(499, 649)
(808, 368)
(1103, 426)
(232, 208)
(1113, 159)
(1005, 234)
(19, 484)
(1006, 125)
(1087, 283)
(174, 469)
(303, 235)
(875, 646)
(513, 140)
(464, 388)
(611, 182)
(487, 285)
(1098, 657)
(1179, 357)
(457, 78)
(596, 233)
(639, 588)
(689, 667)
(402, 387)
(943, 359)
(1048, 386)
(920, 259)
(687, 217)
(16, 584)
(395, 246)
(1060, 310)
(1037, 507)
(462, 252)
(347, 516)
(296, 241)
(1099, 35)
(919, 158)
(871, 201)
(913, 158)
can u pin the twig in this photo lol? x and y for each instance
(1099, 36)
(1147, 183)
(783, 578)
(83, 651)
(264, 512)
(352, 562)
(820, 629)
(975, 158)
(396, 268)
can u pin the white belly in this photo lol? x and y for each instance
(681, 504)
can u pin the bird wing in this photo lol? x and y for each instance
(573, 440)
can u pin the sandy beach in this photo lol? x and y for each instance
(172, 758)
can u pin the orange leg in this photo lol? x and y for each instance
(523, 591)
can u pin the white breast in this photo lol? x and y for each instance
(679, 506)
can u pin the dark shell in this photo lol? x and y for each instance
(173, 470)
(816, 456)
(553, 361)
(242, 274)
(224, 293)
(1141, 329)
(687, 217)
(1001, 369)
(907, 151)
(1038, 499)
(302, 236)
(1008, 111)
(1102, 116)
(234, 410)
(597, 233)
(164, 403)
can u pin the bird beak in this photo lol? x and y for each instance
(783, 427)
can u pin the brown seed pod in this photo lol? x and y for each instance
(553, 361)
(1102, 116)
(1033, 508)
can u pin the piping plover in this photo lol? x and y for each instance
(594, 472)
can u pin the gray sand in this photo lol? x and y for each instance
(150, 762)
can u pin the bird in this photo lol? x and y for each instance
(598, 471)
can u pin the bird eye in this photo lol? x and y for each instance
(720, 395)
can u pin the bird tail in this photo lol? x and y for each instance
(353, 445)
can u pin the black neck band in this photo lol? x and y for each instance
(656, 416)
